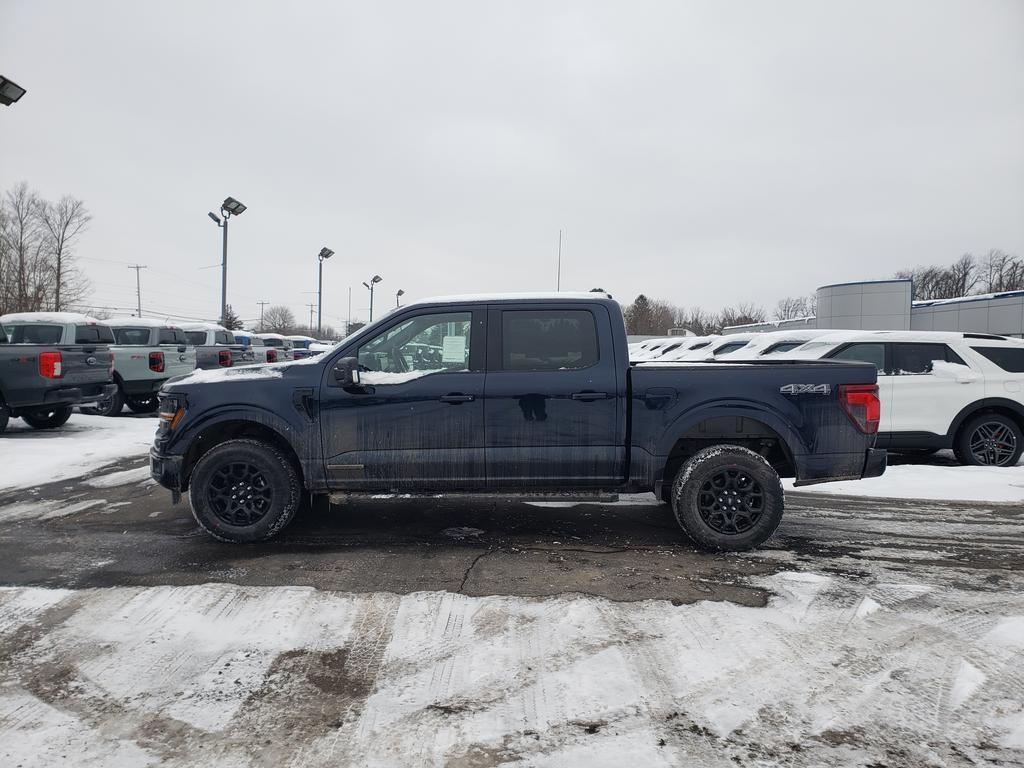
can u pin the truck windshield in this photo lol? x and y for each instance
(132, 337)
(93, 334)
(32, 333)
(172, 336)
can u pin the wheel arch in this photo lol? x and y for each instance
(235, 426)
(1000, 405)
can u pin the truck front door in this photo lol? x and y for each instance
(552, 414)
(415, 422)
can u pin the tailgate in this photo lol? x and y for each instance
(84, 365)
(178, 363)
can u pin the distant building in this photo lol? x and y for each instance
(886, 305)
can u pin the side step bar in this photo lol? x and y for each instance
(594, 497)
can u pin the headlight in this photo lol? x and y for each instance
(172, 409)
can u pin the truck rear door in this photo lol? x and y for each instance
(551, 407)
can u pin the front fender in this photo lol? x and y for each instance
(298, 433)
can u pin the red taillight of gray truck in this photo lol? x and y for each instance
(861, 403)
(271, 355)
(51, 365)
(224, 358)
(156, 362)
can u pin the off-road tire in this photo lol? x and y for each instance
(109, 407)
(48, 418)
(5, 416)
(148, 404)
(699, 489)
(964, 453)
(281, 488)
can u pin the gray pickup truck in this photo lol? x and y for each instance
(216, 347)
(147, 353)
(50, 362)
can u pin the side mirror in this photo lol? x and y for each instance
(346, 372)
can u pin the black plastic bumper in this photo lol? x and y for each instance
(143, 387)
(875, 462)
(166, 470)
(88, 393)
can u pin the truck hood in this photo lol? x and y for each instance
(261, 372)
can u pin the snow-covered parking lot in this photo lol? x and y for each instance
(873, 630)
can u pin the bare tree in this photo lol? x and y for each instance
(22, 238)
(999, 271)
(793, 307)
(278, 319)
(62, 223)
(742, 314)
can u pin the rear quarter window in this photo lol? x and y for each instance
(1009, 359)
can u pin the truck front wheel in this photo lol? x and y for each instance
(110, 406)
(146, 404)
(244, 491)
(727, 498)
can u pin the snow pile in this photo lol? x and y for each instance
(32, 457)
(926, 481)
(386, 377)
(836, 671)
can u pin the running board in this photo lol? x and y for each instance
(594, 497)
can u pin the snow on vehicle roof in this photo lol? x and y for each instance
(298, 337)
(758, 345)
(202, 327)
(271, 336)
(61, 318)
(140, 322)
(536, 296)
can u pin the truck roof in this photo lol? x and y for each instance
(497, 297)
(202, 327)
(59, 318)
(139, 322)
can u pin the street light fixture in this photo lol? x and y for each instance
(325, 253)
(398, 296)
(230, 207)
(373, 281)
(10, 91)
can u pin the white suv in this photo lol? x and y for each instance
(963, 391)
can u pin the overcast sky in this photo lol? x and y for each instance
(701, 152)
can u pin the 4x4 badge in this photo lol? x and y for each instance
(806, 389)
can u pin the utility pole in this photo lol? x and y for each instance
(138, 285)
(312, 309)
(347, 324)
(262, 305)
(558, 279)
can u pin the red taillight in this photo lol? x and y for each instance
(861, 403)
(224, 358)
(51, 365)
(156, 361)
(271, 355)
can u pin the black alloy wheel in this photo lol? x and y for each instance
(731, 501)
(239, 494)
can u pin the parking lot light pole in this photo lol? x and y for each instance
(230, 207)
(398, 296)
(325, 253)
(373, 281)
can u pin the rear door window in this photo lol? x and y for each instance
(911, 359)
(1009, 359)
(173, 336)
(132, 337)
(536, 340)
(32, 333)
(196, 338)
(224, 337)
(871, 352)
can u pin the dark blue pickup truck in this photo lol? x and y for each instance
(515, 395)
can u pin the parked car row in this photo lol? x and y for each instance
(959, 391)
(53, 361)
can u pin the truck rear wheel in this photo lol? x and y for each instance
(110, 406)
(727, 497)
(4, 417)
(48, 418)
(244, 491)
